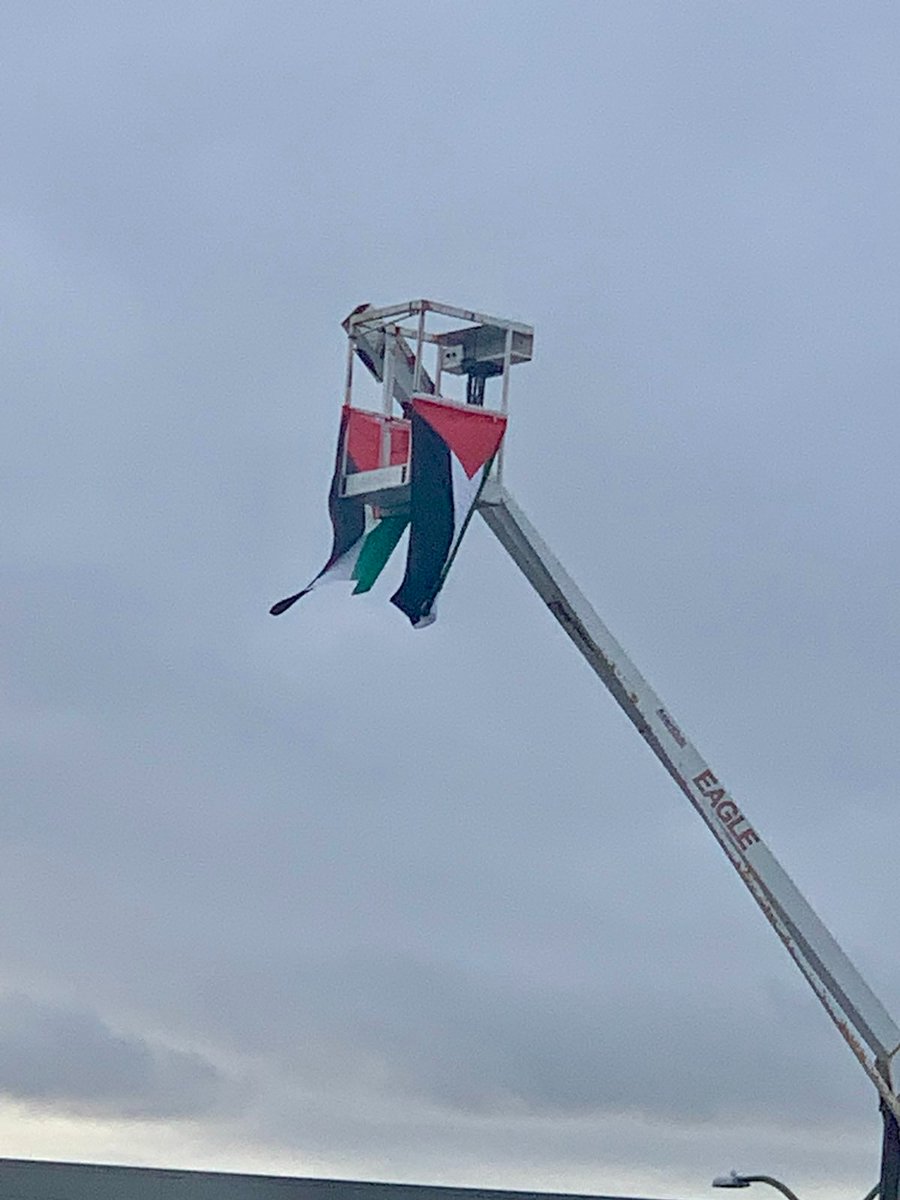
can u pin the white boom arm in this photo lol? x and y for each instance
(859, 1015)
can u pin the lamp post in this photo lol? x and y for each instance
(733, 1180)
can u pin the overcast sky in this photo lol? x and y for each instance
(323, 895)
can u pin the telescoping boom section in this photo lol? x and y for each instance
(428, 366)
(861, 1018)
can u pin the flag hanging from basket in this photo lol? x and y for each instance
(442, 454)
(453, 449)
(363, 538)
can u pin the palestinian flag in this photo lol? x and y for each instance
(363, 540)
(453, 447)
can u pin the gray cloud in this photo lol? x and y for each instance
(429, 892)
(485, 1044)
(51, 1054)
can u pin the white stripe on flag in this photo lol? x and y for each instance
(464, 492)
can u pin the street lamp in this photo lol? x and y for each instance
(741, 1181)
(733, 1180)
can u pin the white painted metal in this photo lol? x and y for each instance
(387, 399)
(420, 342)
(382, 479)
(348, 378)
(507, 361)
(504, 401)
(378, 316)
(389, 360)
(859, 1015)
(439, 370)
(371, 345)
(374, 332)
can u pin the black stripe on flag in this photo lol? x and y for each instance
(348, 518)
(430, 523)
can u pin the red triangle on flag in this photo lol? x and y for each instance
(473, 434)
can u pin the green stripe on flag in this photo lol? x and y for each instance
(376, 550)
